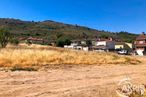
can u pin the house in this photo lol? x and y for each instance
(82, 42)
(104, 45)
(124, 46)
(78, 45)
(140, 44)
(71, 46)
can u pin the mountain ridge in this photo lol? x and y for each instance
(51, 30)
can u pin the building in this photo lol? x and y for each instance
(104, 45)
(77, 46)
(140, 44)
(124, 46)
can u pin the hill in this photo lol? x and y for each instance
(51, 30)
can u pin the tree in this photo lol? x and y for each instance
(88, 43)
(104, 35)
(63, 41)
(4, 37)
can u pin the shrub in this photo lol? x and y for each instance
(14, 41)
(4, 37)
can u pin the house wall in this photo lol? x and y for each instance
(141, 42)
(127, 46)
(69, 46)
(140, 51)
(130, 45)
(110, 45)
(99, 43)
(74, 44)
(79, 48)
(83, 42)
(119, 46)
(85, 49)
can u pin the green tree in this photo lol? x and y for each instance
(88, 43)
(5, 37)
(63, 41)
(104, 35)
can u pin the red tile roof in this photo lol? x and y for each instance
(141, 37)
(35, 39)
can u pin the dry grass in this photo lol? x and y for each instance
(21, 57)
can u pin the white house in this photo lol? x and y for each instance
(104, 44)
(77, 47)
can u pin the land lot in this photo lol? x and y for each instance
(63, 80)
(69, 81)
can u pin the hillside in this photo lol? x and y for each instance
(51, 30)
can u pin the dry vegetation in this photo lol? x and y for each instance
(42, 55)
(76, 81)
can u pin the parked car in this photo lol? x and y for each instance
(123, 52)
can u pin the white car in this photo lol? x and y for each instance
(123, 52)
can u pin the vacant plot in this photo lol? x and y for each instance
(65, 73)
(75, 81)
(39, 56)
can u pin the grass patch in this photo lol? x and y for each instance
(11, 57)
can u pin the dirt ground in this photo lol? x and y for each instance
(69, 81)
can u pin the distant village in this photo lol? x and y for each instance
(105, 45)
(110, 45)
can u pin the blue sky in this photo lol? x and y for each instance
(111, 15)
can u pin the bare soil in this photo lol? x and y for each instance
(69, 81)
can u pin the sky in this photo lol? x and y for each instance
(108, 15)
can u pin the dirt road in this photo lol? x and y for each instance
(69, 81)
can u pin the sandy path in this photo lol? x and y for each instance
(76, 81)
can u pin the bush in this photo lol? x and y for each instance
(4, 37)
(14, 41)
